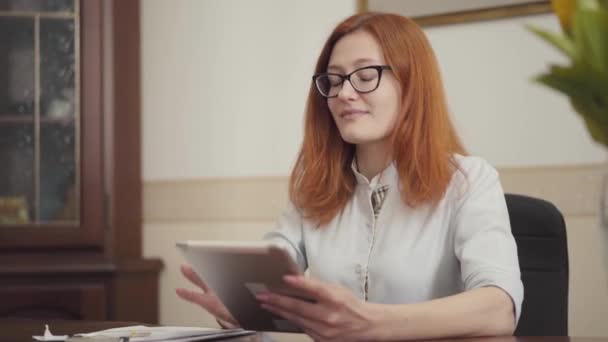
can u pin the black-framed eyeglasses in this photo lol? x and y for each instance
(363, 80)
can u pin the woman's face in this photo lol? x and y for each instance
(363, 118)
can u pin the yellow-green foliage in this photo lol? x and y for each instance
(585, 42)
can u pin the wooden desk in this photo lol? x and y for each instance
(20, 330)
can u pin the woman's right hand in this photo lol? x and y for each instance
(207, 299)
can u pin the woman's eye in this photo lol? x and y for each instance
(367, 75)
(335, 81)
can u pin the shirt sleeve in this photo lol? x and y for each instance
(288, 234)
(483, 241)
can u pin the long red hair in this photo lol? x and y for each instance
(423, 141)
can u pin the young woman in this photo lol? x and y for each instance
(402, 234)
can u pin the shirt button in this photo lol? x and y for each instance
(368, 224)
(358, 269)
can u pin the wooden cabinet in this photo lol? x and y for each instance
(70, 169)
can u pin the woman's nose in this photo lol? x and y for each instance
(347, 91)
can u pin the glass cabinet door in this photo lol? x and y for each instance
(39, 113)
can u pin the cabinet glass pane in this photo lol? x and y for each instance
(17, 186)
(17, 67)
(37, 5)
(58, 192)
(57, 68)
(39, 137)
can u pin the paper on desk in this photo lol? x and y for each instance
(140, 333)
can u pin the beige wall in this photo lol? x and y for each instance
(500, 112)
(224, 83)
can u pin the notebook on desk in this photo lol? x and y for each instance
(142, 333)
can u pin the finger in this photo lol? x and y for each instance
(189, 273)
(226, 324)
(314, 288)
(302, 322)
(207, 302)
(302, 308)
(193, 297)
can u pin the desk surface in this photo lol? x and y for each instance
(13, 330)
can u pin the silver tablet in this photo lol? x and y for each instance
(237, 270)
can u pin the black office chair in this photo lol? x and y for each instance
(540, 233)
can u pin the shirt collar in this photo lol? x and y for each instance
(389, 176)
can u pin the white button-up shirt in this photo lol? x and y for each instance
(410, 255)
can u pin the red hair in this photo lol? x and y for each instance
(422, 143)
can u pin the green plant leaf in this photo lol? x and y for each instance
(583, 87)
(597, 129)
(585, 80)
(563, 43)
(566, 80)
(591, 21)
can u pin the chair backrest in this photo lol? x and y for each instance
(540, 232)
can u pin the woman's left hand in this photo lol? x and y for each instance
(336, 314)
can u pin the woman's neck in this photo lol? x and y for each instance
(372, 159)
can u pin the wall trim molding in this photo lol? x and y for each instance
(574, 189)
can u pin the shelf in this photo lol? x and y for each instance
(24, 119)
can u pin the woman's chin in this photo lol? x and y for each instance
(356, 138)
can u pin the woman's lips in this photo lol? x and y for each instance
(351, 114)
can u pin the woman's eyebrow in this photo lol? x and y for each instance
(335, 68)
(365, 60)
